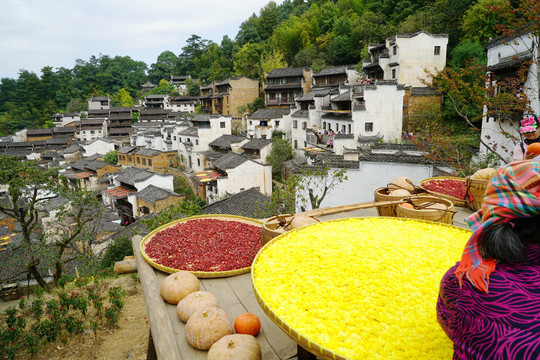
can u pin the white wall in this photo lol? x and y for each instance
(245, 176)
(97, 147)
(362, 182)
(384, 108)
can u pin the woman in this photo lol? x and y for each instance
(489, 303)
(530, 129)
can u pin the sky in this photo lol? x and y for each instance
(39, 33)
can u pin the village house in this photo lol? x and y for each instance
(335, 77)
(195, 140)
(99, 103)
(124, 184)
(61, 119)
(90, 174)
(258, 148)
(179, 104)
(263, 122)
(505, 57)
(283, 86)
(233, 173)
(404, 57)
(206, 99)
(152, 200)
(100, 146)
(179, 83)
(146, 158)
(89, 129)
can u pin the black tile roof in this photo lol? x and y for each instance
(267, 114)
(339, 116)
(148, 152)
(225, 141)
(331, 71)
(346, 96)
(37, 132)
(257, 144)
(152, 194)
(246, 203)
(285, 72)
(131, 175)
(126, 149)
(96, 164)
(229, 161)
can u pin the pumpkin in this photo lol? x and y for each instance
(207, 326)
(194, 302)
(235, 347)
(401, 182)
(178, 285)
(407, 205)
(302, 220)
(247, 323)
(400, 192)
(484, 174)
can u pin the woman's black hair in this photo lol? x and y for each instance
(505, 242)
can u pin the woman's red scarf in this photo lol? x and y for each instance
(512, 193)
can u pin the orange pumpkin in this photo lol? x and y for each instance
(247, 323)
(178, 285)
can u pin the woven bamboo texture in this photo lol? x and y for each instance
(270, 231)
(476, 190)
(199, 274)
(454, 200)
(381, 194)
(443, 216)
(316, 349)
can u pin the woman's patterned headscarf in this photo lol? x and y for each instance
(513, 192)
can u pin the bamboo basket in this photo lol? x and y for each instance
(476, 190)
(199, 274)
(271, 228)
(381, 194)
(454, 200)
(443, 216)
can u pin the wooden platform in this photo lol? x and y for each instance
(235, 296)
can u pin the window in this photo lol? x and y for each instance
(250, 122)
(222, 124)
(324, 125)
(296, 144)
(277, 123)
(144, 161)
(394, 50)
(149, 162)
(138, 160)
(295, 124)
(437, 50)
(199, 162)
(304, 125)
(369, 127)
(393, 73)
(196, 141)
(350, 129)
(343, 129)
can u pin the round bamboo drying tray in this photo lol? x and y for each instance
(316, 349)
(476, 190)
(271, 228)
(443, 216)
(199, 274)
(454, 200)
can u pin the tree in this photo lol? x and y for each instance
(164, 67)
(479, 21)
(305, 190)
(258, 103)
(247, 61)
(281, 152)
(122, 98)
(273, 60)
(318, 182)
(111, 157)
(29, 189)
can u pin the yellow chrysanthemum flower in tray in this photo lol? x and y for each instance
(360, 288)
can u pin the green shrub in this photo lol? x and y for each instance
(116, 251)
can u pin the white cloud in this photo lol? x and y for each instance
(37, 33)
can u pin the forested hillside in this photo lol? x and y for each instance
(310, 33)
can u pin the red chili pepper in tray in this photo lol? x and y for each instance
(209, 245)
(451, 187)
